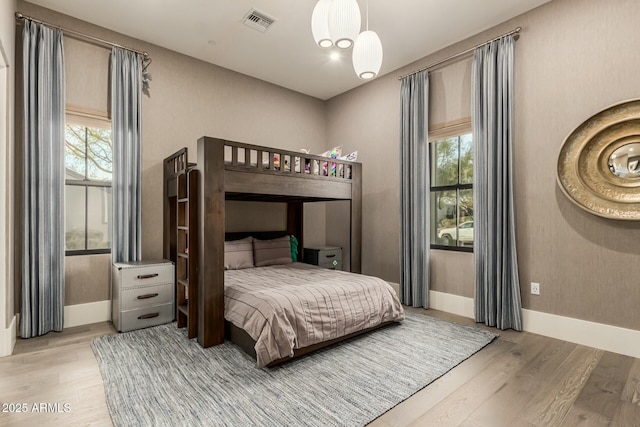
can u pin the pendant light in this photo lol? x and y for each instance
(320, 24)
(344, 22)
(367, 53)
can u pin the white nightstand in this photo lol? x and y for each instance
(143, 294)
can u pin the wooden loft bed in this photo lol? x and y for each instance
(229, 170)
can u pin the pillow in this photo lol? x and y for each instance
(238, 254)
(352, 157)
(305, 151)
(334, 153)
(271, 252)
(345, 171)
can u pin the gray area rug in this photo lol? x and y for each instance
(158, 377)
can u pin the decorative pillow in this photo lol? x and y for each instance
(238, 254)
(345, 171)
(352, 157)
(334, 153)
(271, 252)
(305, 151)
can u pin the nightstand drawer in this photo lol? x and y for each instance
(146, 296)
(145, 317)
(324, 256)
(332, 265)
(147, 275)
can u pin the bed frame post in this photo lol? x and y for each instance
(356, 218)
(169, 215)
(211, 236)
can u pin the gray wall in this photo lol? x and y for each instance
(574, 58)
(189, 99)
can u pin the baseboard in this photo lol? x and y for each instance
(597, 335)
(8, 338)
(82, 314)
(85, 314)
(455, 304)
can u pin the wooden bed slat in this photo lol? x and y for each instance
(285, 184)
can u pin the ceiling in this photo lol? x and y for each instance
(286, 55)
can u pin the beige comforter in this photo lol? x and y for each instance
(292, 306)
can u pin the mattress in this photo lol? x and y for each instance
(286, 307)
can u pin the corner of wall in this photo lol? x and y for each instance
(8, 338)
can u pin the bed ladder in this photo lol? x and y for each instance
(187, 251)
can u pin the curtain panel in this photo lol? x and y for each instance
(126, 124)
(497, 286)
(414, 191)
(43, 287)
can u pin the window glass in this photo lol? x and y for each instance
(445, 159)
(75, 218)
(443, 204)
(98, 217)
(75, 154)
(466, 159)
(88, 172)
(452, 192)
(99, 155)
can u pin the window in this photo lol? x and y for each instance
(452, 193)
(88, 175)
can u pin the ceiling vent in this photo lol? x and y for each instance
(258, 20)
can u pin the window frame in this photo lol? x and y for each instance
(437, 133)
(87, 119)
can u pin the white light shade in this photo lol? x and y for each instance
(320, 24)
(367, 55)
(344, 22)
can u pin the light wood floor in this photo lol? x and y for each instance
(520, 379)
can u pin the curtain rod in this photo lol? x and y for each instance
(464, 52)
(81, 36)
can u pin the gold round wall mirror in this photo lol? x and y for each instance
(599, 163)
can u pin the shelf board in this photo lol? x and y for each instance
(183, 227)
(184, 308)
(183, 200)
(183, 282)
(181, 255)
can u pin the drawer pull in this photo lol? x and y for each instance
(330, 256)
(147, 276)
(148, 316)
(147, 296)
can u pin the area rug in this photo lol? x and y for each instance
(158, 377)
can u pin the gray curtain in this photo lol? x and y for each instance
(414, 190)
(497, 287)
(126, 129)
(42, 308)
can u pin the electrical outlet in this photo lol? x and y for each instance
(535, 288)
